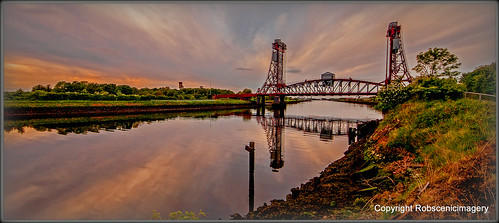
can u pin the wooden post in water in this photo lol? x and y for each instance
(251, 195)
(351, 135)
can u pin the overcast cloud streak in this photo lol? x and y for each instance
(228, 45)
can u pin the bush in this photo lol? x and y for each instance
(391, 95)
(434, 88)
(423, 88)
(481, 80)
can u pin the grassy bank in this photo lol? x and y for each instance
(424, 152)
(66, 108)
(90, 103)
(437, 153)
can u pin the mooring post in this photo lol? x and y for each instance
(251, 195)
(351, 135)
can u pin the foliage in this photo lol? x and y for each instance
(307, 215)
(481, 80)
(437, 131)
(447, 144)
(437, 62)
(391, 95)
(92, 91)
(245, 91)
(434, 88)
(179, 215)
(41, 88)
(424, 88)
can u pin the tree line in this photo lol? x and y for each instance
(84, 90)
(438, 80)
(434, 63)
(440, 63)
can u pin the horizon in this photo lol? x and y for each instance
(228, 45)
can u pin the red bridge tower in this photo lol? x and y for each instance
(395, 61)
(274, 85)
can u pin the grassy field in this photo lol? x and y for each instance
(87, 103)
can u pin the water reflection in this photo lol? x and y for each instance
(325, 127)
(82, 125)
(191, 161)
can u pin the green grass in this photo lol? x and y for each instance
(439, 131)
(438, 134)
(87, 103)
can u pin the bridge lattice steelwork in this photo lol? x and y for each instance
(396, 70)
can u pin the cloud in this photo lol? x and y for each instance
(294, 71)
(202, 43)
(244, 69)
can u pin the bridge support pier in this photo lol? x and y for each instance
(260, 100)
(278, 100)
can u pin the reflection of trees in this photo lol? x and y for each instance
(82, 125)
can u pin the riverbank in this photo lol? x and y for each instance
(423, 153)
(73, 108)
(365, 101)
(69, 108)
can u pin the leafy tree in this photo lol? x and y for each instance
(437, 62)
(125, 89)
(110, 88)
(76, 86)
(41, 88)
(481, 80)
(245, 91)
(61, 86)
(92, 88)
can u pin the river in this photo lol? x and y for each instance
(125, 170)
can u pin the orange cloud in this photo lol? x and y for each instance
(26, 72)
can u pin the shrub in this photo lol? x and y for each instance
(434, 88)
(481, 80)
(391, 96)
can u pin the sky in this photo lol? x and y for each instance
(228, 44)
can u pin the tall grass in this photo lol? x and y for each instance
(440, 131)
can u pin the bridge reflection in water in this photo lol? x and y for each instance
(274, 125)
(325, 127)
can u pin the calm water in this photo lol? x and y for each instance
(179, 163)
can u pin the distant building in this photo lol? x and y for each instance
(180, 85)
(327, 75)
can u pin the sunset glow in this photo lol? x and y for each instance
(228, 45)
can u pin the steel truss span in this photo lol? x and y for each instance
(333, 87)
(275, 84)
